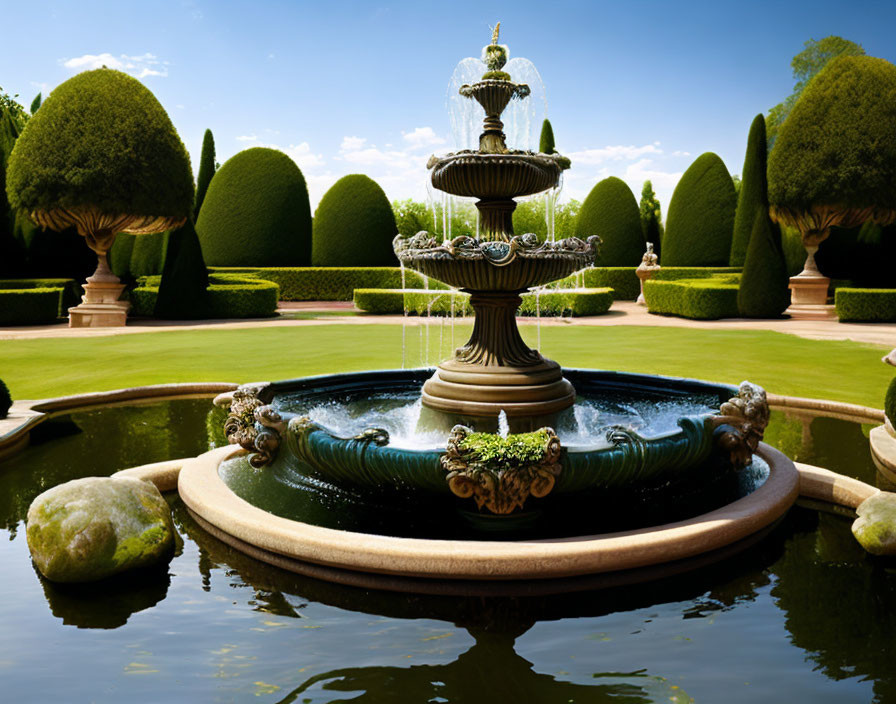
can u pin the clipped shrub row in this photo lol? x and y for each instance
(331, 283)
(865, 305)
(700, 299)
(581, 302)
(226, 297)
(624, 281)
(35, 301)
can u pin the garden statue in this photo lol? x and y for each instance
(646, 270)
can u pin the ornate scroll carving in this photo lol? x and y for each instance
(741, 423)
(254, 426)
(502, 481)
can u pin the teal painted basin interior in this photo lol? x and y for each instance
(805, 615)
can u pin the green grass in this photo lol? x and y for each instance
(783, 364)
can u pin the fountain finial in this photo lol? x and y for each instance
(495, 30)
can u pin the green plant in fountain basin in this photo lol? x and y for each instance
(512, 451)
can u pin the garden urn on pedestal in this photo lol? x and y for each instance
(646, 269)
(101, 155)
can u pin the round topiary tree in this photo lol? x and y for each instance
(256, 212)
(101, 155)
(834, 161)
(700, 221)
(753, 195)
(611, 212)
(354, 225)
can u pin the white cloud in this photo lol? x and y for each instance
(351, 144)
(422, 137)
(613, 153)
(138, 66)
(247, 138)
(679, 152)
(304, 157)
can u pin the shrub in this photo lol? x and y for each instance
(68, 289)
(256, 212)
(890, 403)
(700, 222)
(182, 288)
(206, 171)
(611, 211)
(764, 291)
(700, 299)
(148, 254)
(5, 400)
(12, 254)
(107, 123)
(29, 306)
(227, 297)
(547, 303)
(624, 281)
(753, 195)
(651, 218)
(865, 305)
(546, 142)
(354, 225)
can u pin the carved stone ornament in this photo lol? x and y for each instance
(254, 426)
(741, 423)
(499, 485)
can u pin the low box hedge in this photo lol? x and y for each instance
(70, 296)
(624, 281)
(581, 302)
(699, 299)
(331, 283)
(866, 305)
(29, 306)
(228, 296)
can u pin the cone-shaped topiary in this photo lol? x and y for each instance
(206, 171)
(700, 222)
(611, 212)
(5, 400)
(546, 143)
(753, 194)
(354, 225)
(182, 290)
(651, 217)
(256, 212)
(763, 291)
(834, 161)
(35, 104)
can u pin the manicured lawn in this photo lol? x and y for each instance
(784, 364)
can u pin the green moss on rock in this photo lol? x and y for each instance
(875, 527)
(611, 212)
(256, 212)
(700, 222)
(354, 225)
(91, 528)
(518, 450)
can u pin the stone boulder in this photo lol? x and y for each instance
(875, 527)
(95, 527)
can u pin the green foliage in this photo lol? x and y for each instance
(890, 402)
(495, 76)
(578, 303)
(256, 212)
(206, 171)
(128, 155)
(182, 289)
(651, 217)
(517, 450)
(546, 142)
(700, 299)
(354, 225)
(29, 306)
(119, 256)
(838, 146)
(700, 223)
(865, 305)
(764, 291)
(70, 291)
(620, 279)
(753, 195)
(226, 297)
(611, 212)
(12, 251)
(10, 106)
(148, 254)
(5, 400)
(35, 104)
(805, 66)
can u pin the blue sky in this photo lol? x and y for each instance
(634, 89)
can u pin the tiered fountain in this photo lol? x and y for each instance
(401, 472)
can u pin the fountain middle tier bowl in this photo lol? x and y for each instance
(496, 176)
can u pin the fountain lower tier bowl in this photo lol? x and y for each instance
(360, 451)
(496, 176)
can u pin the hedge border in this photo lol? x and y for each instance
(865, 305)
(228, 296)
(30, 306)
(71, 291)
(698, 299)
(624, 281)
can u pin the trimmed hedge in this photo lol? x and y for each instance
(890, 402)
(5, 400)
(578, 303)
(611, 211)
(226, 297)
(331, 283)
(70, 290)
(865, 305)
(29, 306)
(699, 299)
(624, 281)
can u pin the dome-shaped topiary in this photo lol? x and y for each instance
(834, 161)
(256, 212)
(611, 212)
(101, 144)
(700, 222)
(354, 225)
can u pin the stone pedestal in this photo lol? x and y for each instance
(809, 292)
(100, 307)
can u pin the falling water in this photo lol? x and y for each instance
(404, 320)
(503, 425)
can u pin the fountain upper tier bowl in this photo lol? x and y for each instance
(474, 174)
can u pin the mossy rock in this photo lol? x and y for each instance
(611, 211)
(354, 225)
(91, 528)
(256, 212)
(875, 527)
(128, 156)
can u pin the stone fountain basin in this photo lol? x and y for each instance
(495, 176)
